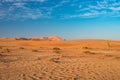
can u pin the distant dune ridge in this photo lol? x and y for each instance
(50, 38)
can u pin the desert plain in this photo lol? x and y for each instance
(84, 59)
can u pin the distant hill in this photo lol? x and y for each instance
(50, 38)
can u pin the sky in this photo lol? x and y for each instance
(69, 19)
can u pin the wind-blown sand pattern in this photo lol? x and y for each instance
(59, 60)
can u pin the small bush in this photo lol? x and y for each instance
(7, 60)
(86, 48)
(109, 55)
(6, 51)
(21, 48)
(56, 50)
(39, 58)
(56, 60)
(108, 44)
(41, 47)
(1, 55)
(35, 50)
(117, 57)
(0, 47)
(89, 52)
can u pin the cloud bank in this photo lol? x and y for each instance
(59, 9)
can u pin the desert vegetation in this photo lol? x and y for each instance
(0, 47)
(63, 60)
(56, 60)
(89, 52)
(5, 50)
(56, 50)
(86, 48)
(21, 48)
(34, 50)
(108, 44)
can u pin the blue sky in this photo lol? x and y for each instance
(70, 19)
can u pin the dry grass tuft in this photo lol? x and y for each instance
(0, 47)
(1, 55)
(89, 52)
(56, 60)
(118, 57)
(34, 50)
(7, 60)
(39, 58)
(5, 51)
(109, 55)
(86, 48)
(21, 48)
(56, 50)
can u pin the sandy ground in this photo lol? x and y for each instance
(65, 60)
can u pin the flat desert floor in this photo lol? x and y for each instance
(59, 60)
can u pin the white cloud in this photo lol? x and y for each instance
(23, 1)
(19, 10)
(105, 7)
(115, 8)
(23, 10)
(61, 3)
(91, 14)
(19, 4)
(42, 0)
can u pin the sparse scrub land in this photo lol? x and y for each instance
(49, 60)
(6, 60)
(56, 50)
(5, 51)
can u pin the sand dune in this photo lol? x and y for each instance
(59, 60)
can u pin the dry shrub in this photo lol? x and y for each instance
(21, 48)
(34, 50)
(89, 52)
(1, 55)
(56, 60)
(109, 55)
(6, 60)
(5, 51)
(108, 44)
(118, 57)
(0, 47)
(86, 48)
(39, 58)
(56, 50)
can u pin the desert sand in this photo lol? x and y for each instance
(85, 59)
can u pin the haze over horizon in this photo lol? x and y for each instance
(69, 19)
